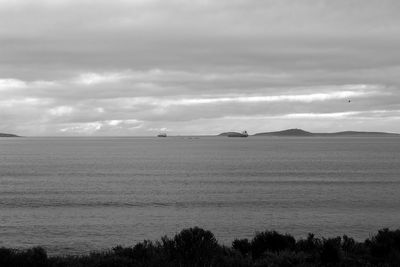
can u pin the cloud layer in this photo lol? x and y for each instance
(198, 67)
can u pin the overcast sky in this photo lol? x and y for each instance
(140, 67)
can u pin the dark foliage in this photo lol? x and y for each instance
(331, 252)
(196, 247)
(309, 245)
(385, 246)
(271, 241)
(242, 245)
(34, 257)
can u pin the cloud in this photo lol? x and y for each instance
(308, 98)
(85, 104)
(61, 110)
(7, 84)
(90, 67)
(95, 78)
(110, 127)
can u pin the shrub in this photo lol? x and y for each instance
(242, 245)
(195, 247)
(284, 258)
(271, 241)
(114, 261)
(33, 257)
(231, 258)
(385, 246)
(144, 251)
(309, 245)
(6, 256)
(331, 252)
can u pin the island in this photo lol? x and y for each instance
(8, 135)
(289, 132)
(235, 134)
(300, 132)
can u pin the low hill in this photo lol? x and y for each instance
(356, 133)
(300, 132)
(289, 132)
(8, 135)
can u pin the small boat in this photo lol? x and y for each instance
(162, 135)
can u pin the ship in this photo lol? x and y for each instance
(162, 135)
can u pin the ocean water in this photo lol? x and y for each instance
(74, 195)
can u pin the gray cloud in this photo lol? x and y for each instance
(135, 67)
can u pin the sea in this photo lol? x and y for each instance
(75, 195)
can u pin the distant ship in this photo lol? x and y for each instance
(162, 135)
(242, 134)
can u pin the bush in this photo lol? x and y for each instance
(331, 252)
(6, 256)
(242, 245)
(196, 247)
(385, 246)
(309, 245)
(231, 258)
(284, 258)
(33, 257)
(271, 241)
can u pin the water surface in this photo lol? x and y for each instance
(74, 195)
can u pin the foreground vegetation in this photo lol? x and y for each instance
(198, 248)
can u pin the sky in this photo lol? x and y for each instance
(140, 67)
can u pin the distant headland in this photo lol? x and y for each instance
(300, 132)
(8, 135)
